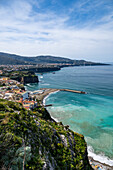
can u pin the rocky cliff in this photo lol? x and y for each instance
(29, 79)
(24, 76)
(32, 140)
(44, 69)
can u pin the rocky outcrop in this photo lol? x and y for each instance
(32, 140)
(24, 77)
(29, 79)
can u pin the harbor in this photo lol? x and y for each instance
(43, 92)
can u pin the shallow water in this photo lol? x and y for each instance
(90, 114)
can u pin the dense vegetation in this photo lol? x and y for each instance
(18, 73)
(16, 59)
(32, 140)
(5, 59)
(22, 76)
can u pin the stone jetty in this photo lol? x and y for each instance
(47, 91)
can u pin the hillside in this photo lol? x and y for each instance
(32, 140)
(9, 59)
(6, 58)
(37, 59)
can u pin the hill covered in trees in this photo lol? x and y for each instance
(6, 58)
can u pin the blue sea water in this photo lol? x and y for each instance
(90, 114)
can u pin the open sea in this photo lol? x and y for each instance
(90, 114)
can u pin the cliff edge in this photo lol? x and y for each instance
(23, 76)
(32, 140)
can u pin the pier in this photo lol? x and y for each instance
(43, 92)
(73, 91)
(68, 90)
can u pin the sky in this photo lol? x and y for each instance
(76, 29)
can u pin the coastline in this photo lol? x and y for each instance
(96, 164)
(45, 94)
(49, 93)
(43, 98)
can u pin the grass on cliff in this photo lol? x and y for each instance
(30, 140)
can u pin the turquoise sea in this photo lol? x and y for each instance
(90, 114)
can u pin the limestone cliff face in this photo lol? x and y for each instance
(24, 77)
(29, 79)
(32, 140)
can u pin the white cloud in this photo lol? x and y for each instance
(27, 32)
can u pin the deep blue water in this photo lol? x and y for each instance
(90, 114)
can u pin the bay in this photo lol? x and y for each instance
(90, 114)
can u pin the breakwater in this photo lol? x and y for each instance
(47, 91)
(73, 91)
(68, 90)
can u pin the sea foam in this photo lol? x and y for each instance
(99, 157)
(44, 100)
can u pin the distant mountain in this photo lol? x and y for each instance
(11, 59)
(6, 58)
(35, 60)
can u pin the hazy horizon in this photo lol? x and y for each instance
(74, 29)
